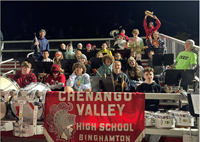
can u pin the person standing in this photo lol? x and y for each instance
(42, 43)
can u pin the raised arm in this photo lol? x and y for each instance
(158, 23)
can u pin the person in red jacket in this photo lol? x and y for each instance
(25, 76)
(150, 29)
(56, 81)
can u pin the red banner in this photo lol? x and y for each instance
(95, 116)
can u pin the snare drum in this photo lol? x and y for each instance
(163, 120)
(183, 118)
(28, 108)
(7, 84)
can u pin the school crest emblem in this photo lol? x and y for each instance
(61, 122)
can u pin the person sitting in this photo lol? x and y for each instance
(120, 43)
(156, 42)
(79, 80)
(88, 47)
(25, 76)
(125, 36)
(106, 68)
(104, 50)
(80, 46)
(118, 75)
(134, 72)
(136, 43)
(42, 43)
(69, 54)
(157, 69)
(149, 30)
(63, 47)
(57, 58)
(45, 55)
(137, 58)
(55, 81)
(186, 59)
(118, 56)
(83, 59)
(78, 53)
(99, 55)
(93, 49)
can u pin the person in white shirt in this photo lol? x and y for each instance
(45, 55)
(120, 43)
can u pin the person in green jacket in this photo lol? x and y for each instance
(69, 54)
(107, 67)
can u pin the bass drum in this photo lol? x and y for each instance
(7, 84)
(28, 108)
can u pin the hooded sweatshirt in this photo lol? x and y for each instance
(72, 54)
(105, 69)
(150, 105)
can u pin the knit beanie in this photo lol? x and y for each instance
(82, 57)
(192, 43)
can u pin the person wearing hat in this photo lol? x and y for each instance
(80, 46)
(56, 81)
(186, 59)
(25, 76)
(83, 59)
(120, 43)
(79, 80)
(43, 44)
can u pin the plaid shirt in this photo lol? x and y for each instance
(23, 80)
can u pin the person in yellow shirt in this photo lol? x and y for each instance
(104, 50)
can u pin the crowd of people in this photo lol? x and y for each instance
(127, 71)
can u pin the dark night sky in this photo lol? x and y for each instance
(19, 20)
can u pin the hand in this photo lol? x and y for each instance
(69, 55)
(125, 84)
(74, 72)
(146, 16)
(170, 67)
(154, 16)
(177, 91)
(36, 43)
(61, 70)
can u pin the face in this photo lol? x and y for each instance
(133, 54)
(149, 76)
(108, 62)
(69, 47)
(55, 73)
(151, 55)
(93, 47)
(131, 63)
(42, 34)
(135, 34)
(117, 56)
(150, 24)
(88, 47)
(79, 70)
(155, 35)
(187, 46)
(63, 46)
(45, 55)
(82, 60)
(123, 31)
(117, 66)
(58, 55)
(25, 70)
(99, 55)
(79, 46)
(104, 46)
(77, 54)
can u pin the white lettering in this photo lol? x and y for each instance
(127, 98)
(119, 127)
(107, 96)
(88, 110)
(102, 111)
(117, 96)
(80, 137)
(80, 110)
(120, 108)
(98, 96)
(110, 109)
(60, 97)
(70, 95)
(101, 127)
(95, 111)
(79, 95)
(89, 96)
(107, 127)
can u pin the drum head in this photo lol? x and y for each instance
(3, 110)
(28, 110)
(8, 84)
